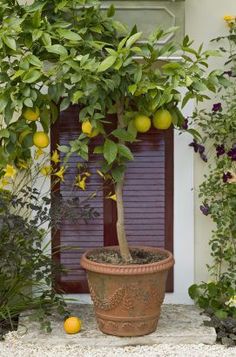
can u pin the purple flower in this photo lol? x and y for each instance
(205, 209)
(217, 107)
(229, 73)
(185, 124)
(232, 153)
(199, 148)
(227, 175)
(194, 144)
(220, 150)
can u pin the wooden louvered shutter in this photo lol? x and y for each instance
(148, 201)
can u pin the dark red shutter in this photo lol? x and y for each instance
(148, 200)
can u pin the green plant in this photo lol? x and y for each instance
(54, 53)
(218, 193)
(27, 270)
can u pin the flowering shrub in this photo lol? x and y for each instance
(218, 193)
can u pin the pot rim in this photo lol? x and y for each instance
(132, 269)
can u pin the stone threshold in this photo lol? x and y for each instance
(178, 324)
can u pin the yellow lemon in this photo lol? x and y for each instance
(72, 325)
(142, 123)
(87, 127)
(162, 119)
(40, 139)
(31, 114)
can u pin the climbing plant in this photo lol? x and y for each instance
(218, 194)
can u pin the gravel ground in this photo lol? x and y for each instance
(14, 347)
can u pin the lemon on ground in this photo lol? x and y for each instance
(87, 127)
(31, 114)
(162, 119)
(142, 123)
(40, 139)
(72, 325)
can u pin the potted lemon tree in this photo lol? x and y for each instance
(72, 52)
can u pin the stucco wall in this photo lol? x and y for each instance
(204, 21)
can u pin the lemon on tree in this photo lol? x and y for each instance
(88, 129)
(142, 123)
(72, 325)
(162, 119)
(31, 114)
(41, 139)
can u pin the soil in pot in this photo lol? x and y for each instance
(112, 256)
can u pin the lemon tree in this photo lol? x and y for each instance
(72, 52)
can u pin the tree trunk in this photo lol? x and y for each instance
(120, 224)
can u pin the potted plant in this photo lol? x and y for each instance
(73, 52)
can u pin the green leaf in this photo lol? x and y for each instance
(76, 96)
(57, 49)
(3, 103)
(35, 61)
(193, 291)
(111, 11)
(28, 102)
(17, 74)
(31, 76)
(187, 97)
(118, 173)
(106, 63)
(98, 149)
(63, 148)
(122, 134)
(125, 152)
(132, 39)
(54, 112)
(69, 35)
(221, 314)
(132, 88)
(194, 133)
(65, 104)
(9, 42)
(46, 39)
(110, 150)
(36, 34)
(4, 133)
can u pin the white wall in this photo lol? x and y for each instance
(204, 21)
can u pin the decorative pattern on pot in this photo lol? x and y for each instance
(127, 297)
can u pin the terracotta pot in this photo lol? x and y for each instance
(127, 298)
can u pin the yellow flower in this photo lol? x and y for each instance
(229, 18)
(55, 157)
(81, 182)
(46, 170)
(112, 197)
(9, 171)
(60, 173)
(4, 182)
(38, 153)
